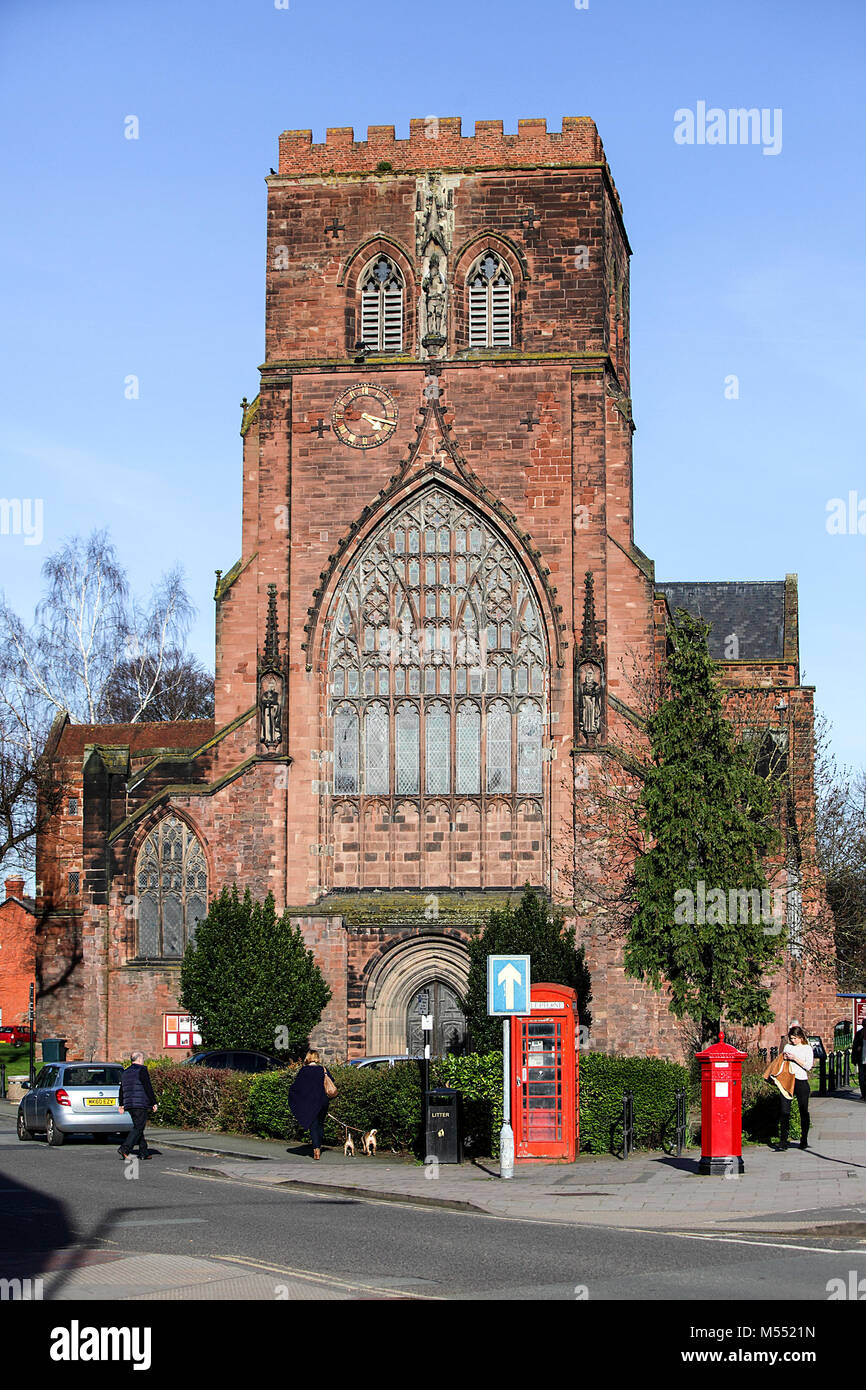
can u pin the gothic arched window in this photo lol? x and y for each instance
(437, 662)
(382, 306)
(171, 886)
(490, 286)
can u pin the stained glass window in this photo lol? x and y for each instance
(377, 773)
(408, 779)
(436, 636)
(498, 747)
(468, 749)
(346, 751)
(171, 886)
(529, 746)
(438, 749)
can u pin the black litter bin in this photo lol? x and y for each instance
(54, 1049)
(443, 1125)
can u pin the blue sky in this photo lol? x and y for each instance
(146, 257)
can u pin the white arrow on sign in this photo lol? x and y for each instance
(510, 976)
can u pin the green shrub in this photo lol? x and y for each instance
(603, 1079)
(190, 1097)
(478, 1078)
(387, 1099)
(234, 1112)
(268, 1112)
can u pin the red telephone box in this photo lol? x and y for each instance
(544, 1080)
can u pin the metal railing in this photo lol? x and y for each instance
(682, 1138)
(838, 1071)
(627, 1123)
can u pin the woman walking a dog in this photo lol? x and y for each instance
(309, 1095)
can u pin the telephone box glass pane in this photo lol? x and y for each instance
(541, 1066)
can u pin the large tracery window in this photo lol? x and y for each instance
(171, 885)
(382, 306)
(437, 664)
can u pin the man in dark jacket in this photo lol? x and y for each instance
(136, 1096)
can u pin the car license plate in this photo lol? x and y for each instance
(88, 1101)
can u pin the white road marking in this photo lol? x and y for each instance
(165, 1221)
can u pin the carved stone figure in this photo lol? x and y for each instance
(271, 718)
(590, 705)
(434, 290)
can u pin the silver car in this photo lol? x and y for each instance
(73, 1098)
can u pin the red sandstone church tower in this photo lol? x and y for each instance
(430, 639)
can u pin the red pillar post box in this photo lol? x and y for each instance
(721, 1109)
(544, 1076)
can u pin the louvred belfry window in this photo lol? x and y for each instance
(437, 670)
(490, 289)
(171, 887)
(382, 307)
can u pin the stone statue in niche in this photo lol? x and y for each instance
(271, 713)
(590, 696)
(434, 289)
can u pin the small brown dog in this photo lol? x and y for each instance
(349, 1146)
(369, 1141)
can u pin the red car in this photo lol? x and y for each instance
(14, 1033)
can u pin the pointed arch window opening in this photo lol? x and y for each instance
(490, 289)
(382, 306)
(438, 672)
(171, 888)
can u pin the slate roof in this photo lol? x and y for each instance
(752, 610)
(179, 735)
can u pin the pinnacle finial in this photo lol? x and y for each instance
(272, 640)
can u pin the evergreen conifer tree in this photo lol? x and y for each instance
(707, 822)
(249, 979)
(533, 928)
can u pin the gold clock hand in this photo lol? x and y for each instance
(374, 419)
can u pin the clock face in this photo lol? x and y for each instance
(364, 416)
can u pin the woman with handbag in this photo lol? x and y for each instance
(309, 1095)
(800, 1058)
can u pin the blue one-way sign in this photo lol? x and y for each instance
(507, 985)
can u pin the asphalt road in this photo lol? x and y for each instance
(77, 1194)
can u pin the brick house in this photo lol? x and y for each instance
(426, 650)
(17, 952)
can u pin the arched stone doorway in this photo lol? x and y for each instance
(449, 1023)
(439, 964)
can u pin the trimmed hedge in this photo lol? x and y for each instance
(478, 1077)
(389, 1100)
(603, 1079)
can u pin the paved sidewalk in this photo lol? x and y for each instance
(799, 1191)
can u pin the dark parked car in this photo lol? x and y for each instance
(235, 1060)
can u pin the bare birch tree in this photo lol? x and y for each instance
(93, 652)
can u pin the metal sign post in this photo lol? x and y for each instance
(31, 1019)
(506, 1134)
(507, 994)
(427, 1034)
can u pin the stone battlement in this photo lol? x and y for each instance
(437, 142)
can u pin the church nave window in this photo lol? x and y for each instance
(171, 886)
